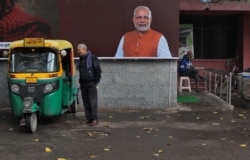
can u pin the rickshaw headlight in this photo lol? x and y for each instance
(63, 53)
(48, 88)
(27, 102)
(15, 88)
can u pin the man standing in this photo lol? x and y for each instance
(143, 41)
(90, 75)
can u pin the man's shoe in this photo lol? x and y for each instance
(86, 121)
(93, 123)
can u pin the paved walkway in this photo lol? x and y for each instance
(209, 130)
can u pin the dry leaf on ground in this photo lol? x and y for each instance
(47, 150)
(93, 156)
(243, 145)
(107, 149)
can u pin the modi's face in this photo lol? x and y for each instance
(142, 20)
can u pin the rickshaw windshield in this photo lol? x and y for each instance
(27, 60)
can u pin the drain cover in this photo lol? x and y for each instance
(86, 134)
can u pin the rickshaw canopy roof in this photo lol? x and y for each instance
(40, 42)
(57, 45)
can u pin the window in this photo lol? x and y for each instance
(215, 37)
(29, 60)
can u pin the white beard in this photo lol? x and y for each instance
(142, 28)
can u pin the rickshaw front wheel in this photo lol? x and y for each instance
(31, 122)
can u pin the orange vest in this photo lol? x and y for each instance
(137, 44)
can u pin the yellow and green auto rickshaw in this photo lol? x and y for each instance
(41, 79)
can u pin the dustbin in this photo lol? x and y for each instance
(246, 85)
(239, 83)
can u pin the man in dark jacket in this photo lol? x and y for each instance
(187, 70)
(90, 75)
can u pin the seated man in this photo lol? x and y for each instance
(187, 70)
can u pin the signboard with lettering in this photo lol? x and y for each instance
(4, 45)
(33, 42)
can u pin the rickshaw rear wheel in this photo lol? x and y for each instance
(74, 107)
(31, 122)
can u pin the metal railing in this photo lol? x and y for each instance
(220, 83)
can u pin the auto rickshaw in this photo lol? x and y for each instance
(41, 79)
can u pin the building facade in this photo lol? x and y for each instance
(221, 32)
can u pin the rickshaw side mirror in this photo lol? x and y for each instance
(5, 53)
(63, 53)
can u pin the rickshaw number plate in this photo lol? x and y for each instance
(33, 42)
(31, 80)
